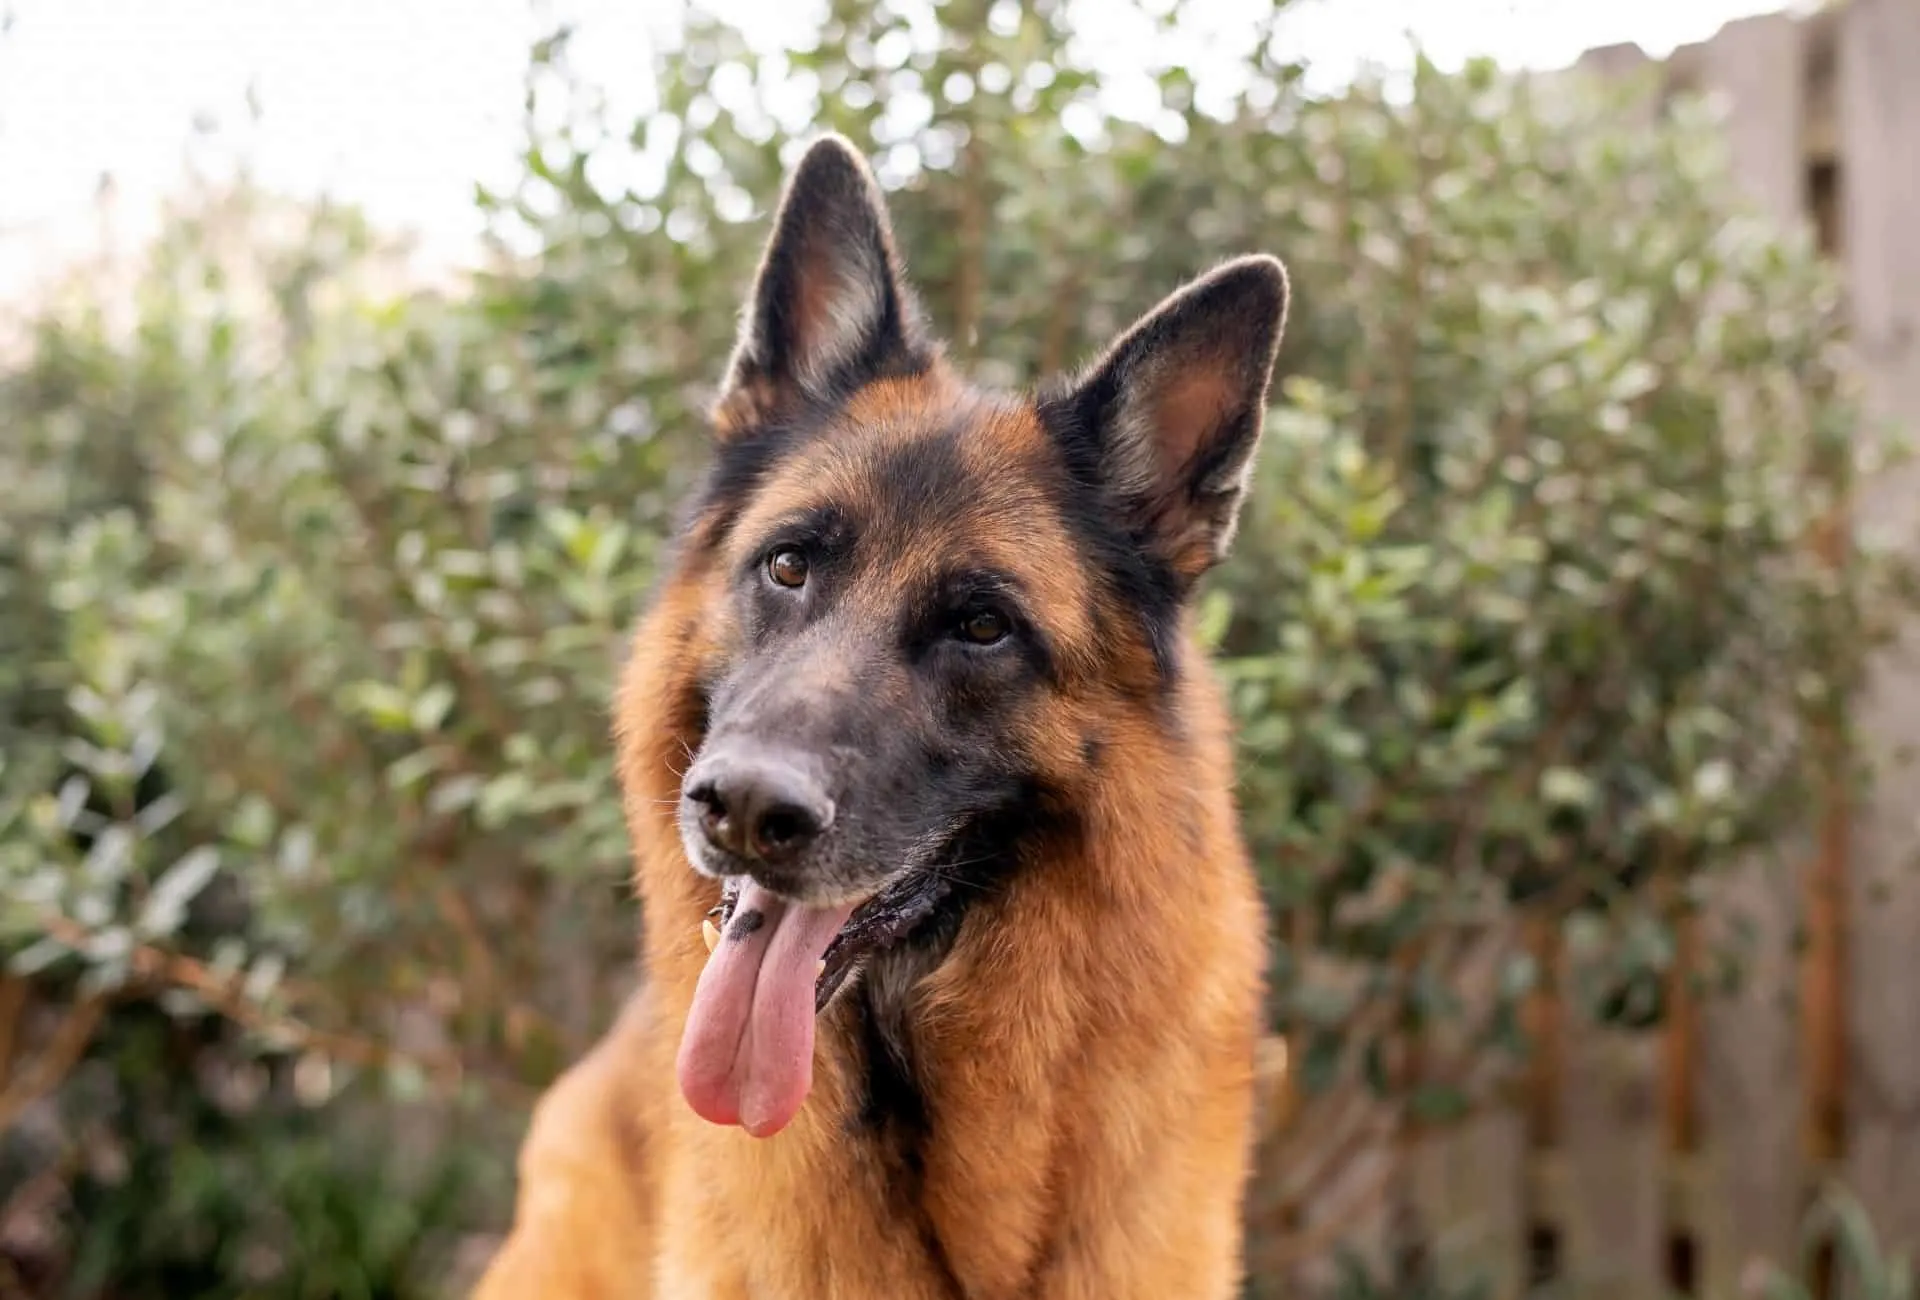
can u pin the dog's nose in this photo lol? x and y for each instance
(757, 805)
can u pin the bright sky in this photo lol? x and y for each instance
(401, 105)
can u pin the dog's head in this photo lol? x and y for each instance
(923, 604)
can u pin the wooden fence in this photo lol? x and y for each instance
(1673, 1162)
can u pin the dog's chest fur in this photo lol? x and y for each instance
(879, 1188)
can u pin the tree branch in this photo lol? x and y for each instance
(63, 1050)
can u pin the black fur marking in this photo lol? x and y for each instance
(688, 716)
(923, 482)
(893, 1102)
(741, 463)
(894, 1115)
(825, 527)
(933, 616)
(1092, 752)
(1135, 576)
(700, 717)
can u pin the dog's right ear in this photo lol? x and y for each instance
(830, 310)
(1169, 420)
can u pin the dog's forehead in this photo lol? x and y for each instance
(911, 468)
(932, 480)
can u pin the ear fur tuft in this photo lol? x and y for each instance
(1175, 407)
(830, 308)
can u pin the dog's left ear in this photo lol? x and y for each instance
(1169, 419)
(830, 309)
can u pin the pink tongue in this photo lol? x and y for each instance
(747, 1055)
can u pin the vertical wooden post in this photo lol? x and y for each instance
(1878, 77)
(1467, 1181)
(1751, 1084)
(1611, 1137)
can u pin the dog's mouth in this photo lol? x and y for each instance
(746, 1057)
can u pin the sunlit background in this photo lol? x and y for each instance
(402, 105)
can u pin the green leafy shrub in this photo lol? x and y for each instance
(225, 1184)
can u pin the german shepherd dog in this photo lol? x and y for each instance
(953, 954)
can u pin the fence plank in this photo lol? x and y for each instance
(1748, 1085)
(1623, 59)
(1613, 1190)
(1469, 1184)
(1466, 1182)
(1628, 63)
(1879, 90)
(1757, 65)
(1329, 1164)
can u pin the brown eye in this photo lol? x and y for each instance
(787, 567)
(983, 626)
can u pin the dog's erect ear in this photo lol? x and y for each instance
(830, 309)
(1169, 419)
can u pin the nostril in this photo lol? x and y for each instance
(710, 806)
(783, 830)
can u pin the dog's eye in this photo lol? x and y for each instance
(787, 567)
(983, 626)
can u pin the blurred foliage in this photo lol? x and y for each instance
(314, 579)
(234, 1187)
